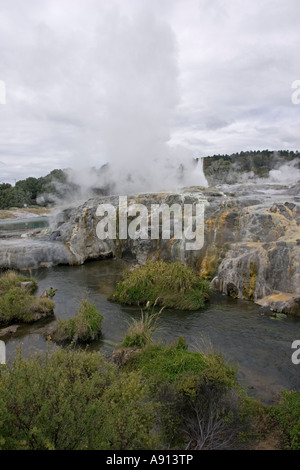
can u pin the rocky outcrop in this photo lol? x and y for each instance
(9, 330)
(251, 244)
(265, 260)
(282, 302)
(33, 253)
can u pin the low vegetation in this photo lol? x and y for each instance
(84, 326)
(170, 285)
(17, 302)
(200, 402)
(163, 396)
(72, 399)
(287, 414)
(166, 363)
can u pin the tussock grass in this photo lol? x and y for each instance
(141, 331)
(18, 304)
(171, 285)
(84, 326)
(11, 279)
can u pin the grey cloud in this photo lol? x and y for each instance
(130, 82)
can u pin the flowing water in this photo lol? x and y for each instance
(247, 336)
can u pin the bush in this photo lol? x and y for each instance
(209, 414)
(287, 415)
(73, 400)
(130, 415)
(84, 326)
(17, 304)
(171, 285)
(200, 403)
(166, 398)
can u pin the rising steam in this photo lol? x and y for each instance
(139, 95)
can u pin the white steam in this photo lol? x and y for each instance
(289, 173)
(139, 95)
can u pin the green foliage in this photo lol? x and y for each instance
(171, 285)
(48, 402)
(17, 304)
(71, 399)
(200, 402)
(167, 397)
(84, 326)
(162, 363)
(287, 414)
(129, 414)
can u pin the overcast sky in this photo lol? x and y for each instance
(91, 81)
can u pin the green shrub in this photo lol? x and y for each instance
(73, 400)
(171, 285)
(287, 415)
(47, 401)
(14, 305)
(84, 326)
(130, 415)
(200, 402)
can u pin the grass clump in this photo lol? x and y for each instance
(170, 285)
(11, 279)
(84, 326)
(141, 331)
(17, 302)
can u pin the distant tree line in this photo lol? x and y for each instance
(217, 168)
(36, 191)
(226, 168)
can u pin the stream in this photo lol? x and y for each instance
(248, 337)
